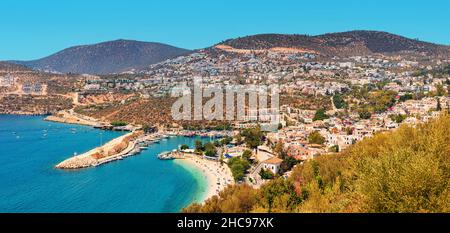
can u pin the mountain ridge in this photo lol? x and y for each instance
(105, 57)
(126, 55)
(358, 42)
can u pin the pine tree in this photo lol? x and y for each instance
(438, 107)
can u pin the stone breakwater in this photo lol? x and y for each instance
(70, 117)
(115, 149)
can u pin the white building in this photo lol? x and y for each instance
(272, 164)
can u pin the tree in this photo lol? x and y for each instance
(210, 149)
(247, 155)
(233, 199)
(148, 129)
(238, 167)
(398, 118)
(226, 140)
(266, 174)
(380, 101)
(334, 149)
(316, 138)
(280, 126)
(278, 148)
(119, 123)
(364, 113)
(253, 137)
(339, 102)
(184, 147)
(406, 97)
(279, 196)
(440, 91)
(348, 130)
(438, 105)
(320, 115)
(217, 143)
(239, 139)
(211, 153)
(287, 164)
(198, 146)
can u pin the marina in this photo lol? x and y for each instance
(131, 144)
(127, 185)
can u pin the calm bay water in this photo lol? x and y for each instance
(30, 147)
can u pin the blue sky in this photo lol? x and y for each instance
(31, 29)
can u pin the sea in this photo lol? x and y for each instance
(29, 182)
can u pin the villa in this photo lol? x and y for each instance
(272, 164)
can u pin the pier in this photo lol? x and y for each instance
(171, 155)
(120, 148)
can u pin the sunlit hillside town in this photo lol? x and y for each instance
(362, 96)
(327, 104)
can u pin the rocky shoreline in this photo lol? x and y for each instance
(70, 117)
(116, 149)
(20, 113)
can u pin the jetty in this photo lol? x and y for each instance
(171, 155)
(122, 147)
(111, 151)
(70, 117)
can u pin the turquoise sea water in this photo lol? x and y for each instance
(31, 147)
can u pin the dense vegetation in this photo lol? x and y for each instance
(406, 170)
(339, 102)
(320, 115)
(238, 167)
(209, 149)
(316, 138)
(398, 118)
(253, 137)
(119, 123)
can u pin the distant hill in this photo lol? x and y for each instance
(7, 66)
(340, 44)
(105, 58)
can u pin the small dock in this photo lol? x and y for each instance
(171, 155)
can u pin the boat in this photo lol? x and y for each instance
(172, 135)
(166, 156)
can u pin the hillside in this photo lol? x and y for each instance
(11, 67)
(401, 171)
(105, 58)
(340, 44)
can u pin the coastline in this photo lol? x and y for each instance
(69, 117)
(207, 172)
(127, 186)
(217, 176)
(89, 159)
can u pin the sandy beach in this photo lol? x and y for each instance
(218, 176)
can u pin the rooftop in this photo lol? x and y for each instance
(273, 160)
